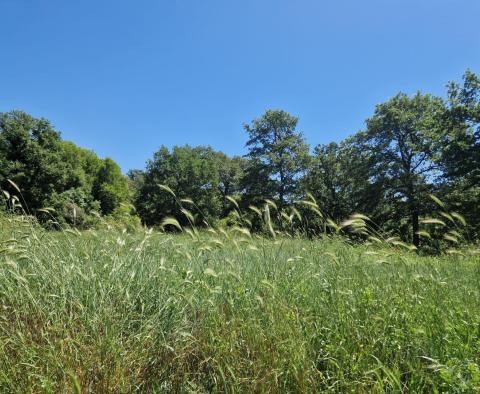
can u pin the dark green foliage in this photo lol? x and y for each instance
(56, 174)
(110, 187)
(279, 152)
(256, 183)
(412, 146)
(461, 141)
(135, 181)
(338, 179)
(399, 139)
(231, 173)
(74, 207)
(31, 157)
(192, 173)
(459, 145)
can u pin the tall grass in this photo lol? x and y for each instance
(227, 311)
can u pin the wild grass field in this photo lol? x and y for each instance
(108, 311)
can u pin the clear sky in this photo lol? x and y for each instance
(124, 77)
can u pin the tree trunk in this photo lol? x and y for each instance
(413, 203)
(415, 237)
(282, 187)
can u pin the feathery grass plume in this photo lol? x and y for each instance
(459, 218)
(450, 237)
(447, 216)
(256, 210)
(223, 232)
(247, 222)
(187, 200)
(268, 220)
(307, 203)
(455, 233)
(46, 210)
(272, 204)
(288, 218)
(455, 252)
(169, 221)
(15, 201)
(404, 245)
(330, 223)
(312, 198)
(167, 189)
(188, 215)
(360, 216)
(424, 234)
(233, 201)
(14, 185)
(210, 272)
(205, 247)
(241, 230)
(73, 231)
(392, 239)
(296, 213)
(433, 221)
(217, 242)
(312, 205)
(352, 222)
(437, 201)
(190, 233)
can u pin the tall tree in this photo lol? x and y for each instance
(278, 150)
(460, 142)
(459, 145)
(256, 183)
(399, 138)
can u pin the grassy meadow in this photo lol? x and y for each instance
(110, 311)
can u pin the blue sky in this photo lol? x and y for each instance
(124, 77)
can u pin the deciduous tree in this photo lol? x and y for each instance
(399, 140)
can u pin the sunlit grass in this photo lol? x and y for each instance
(225, 311)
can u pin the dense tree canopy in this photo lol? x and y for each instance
(52, 173)
(279, 151)
(192, 173)
(399, 138)
(459, 147)
(412, 146)
(30, 156)
(338, 178)
(460, 144)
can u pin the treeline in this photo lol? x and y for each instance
(59, 182)
(412, 147)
